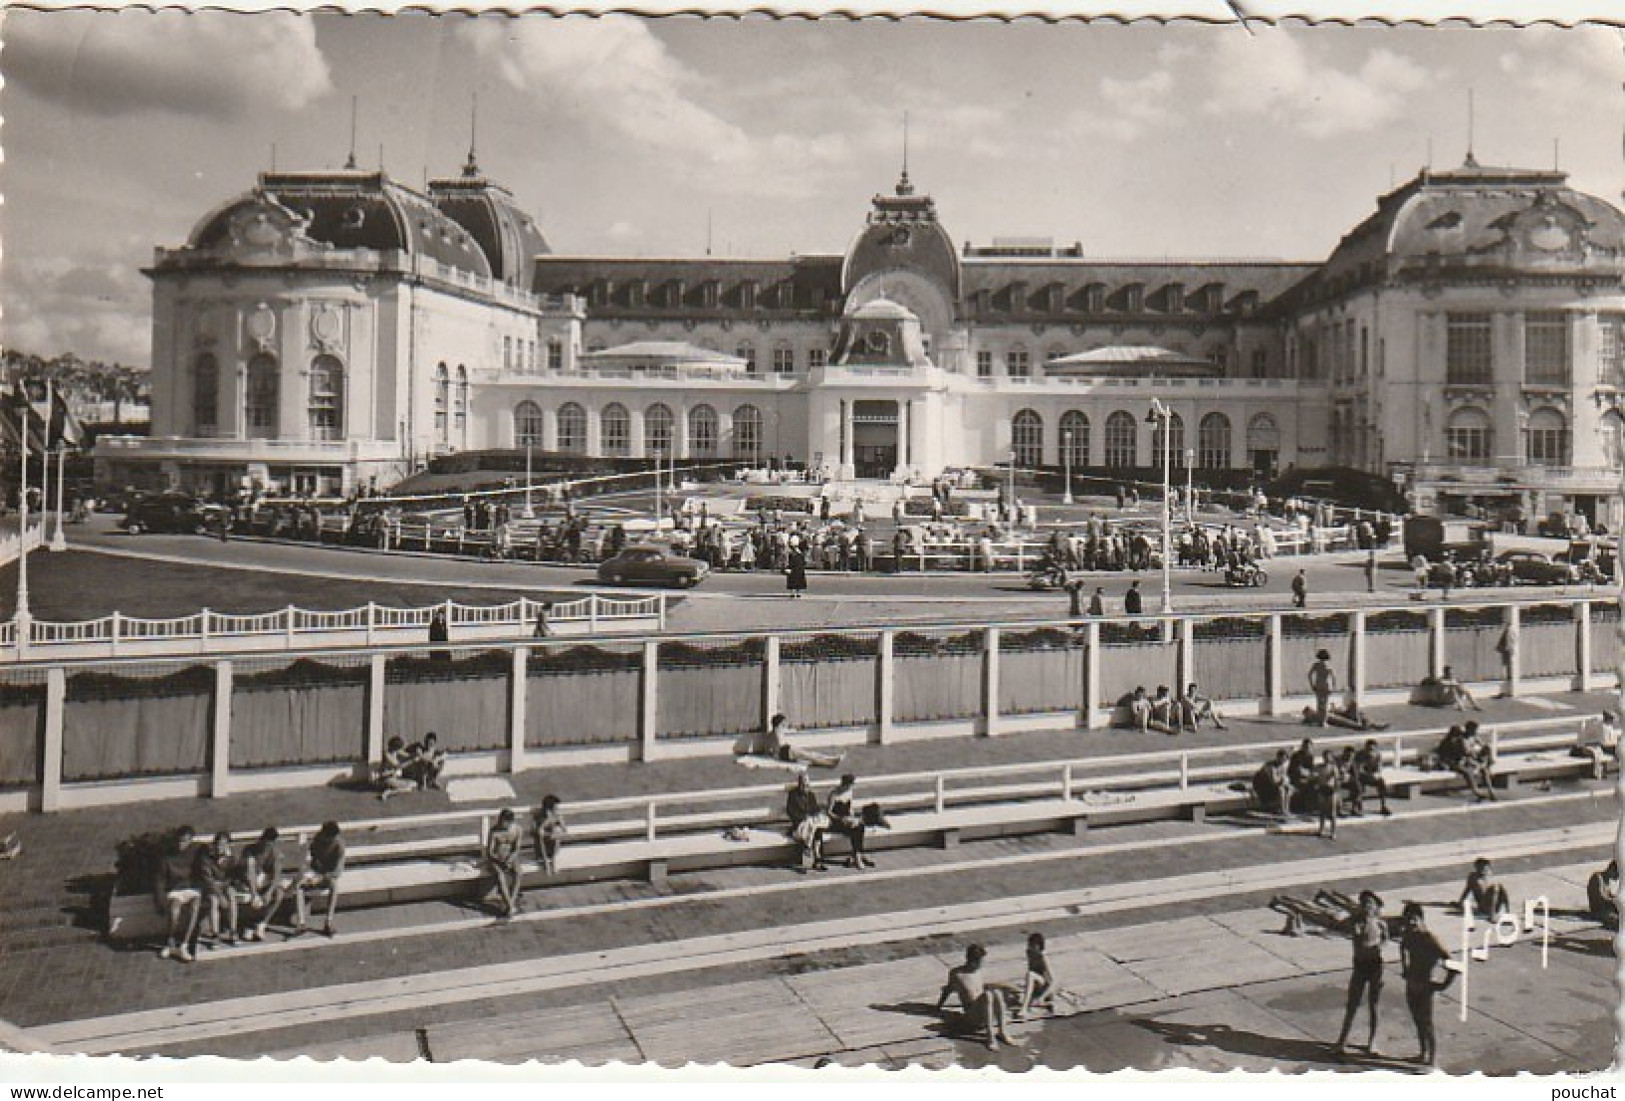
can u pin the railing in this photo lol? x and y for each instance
(293, 628)
(12, 544)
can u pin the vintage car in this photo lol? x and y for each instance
(1533, 568)
(173, 512)
(651, 564)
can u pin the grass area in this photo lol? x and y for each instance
(76, 585)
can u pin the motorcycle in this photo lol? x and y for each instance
(1045, 578)
(1246, 576)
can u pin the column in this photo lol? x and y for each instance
(377, 685)
(885, 686)
(648, 700)
(1582, 644)
(518, 687)
(550, 429)
(636, 447)
(1093, 718)
(220, 743)
(990, 680)
(1513, 652)
(770, 681)
(1184, 656)
(1357, 656)
(56, 698)
(1436, 637)
(1273, 651)
(595, 435)
(679, 432)
(847, 449)
(902, 435)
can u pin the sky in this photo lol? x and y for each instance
(626, 137)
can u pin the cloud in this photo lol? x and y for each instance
(98, 308)
(1575, 66)
(208, 65)
(1278, 75)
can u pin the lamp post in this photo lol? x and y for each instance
(59, 539)
(1010, 497)
(1190, 486)
(659, 507)
(1159, 412)
(22, 532)
(1066, 463)
(529, 513)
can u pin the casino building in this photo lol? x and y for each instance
(334, 329)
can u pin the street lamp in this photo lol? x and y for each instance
(659, 508)
(529, 513)
(22, 616)
(1010, 497)
(1190, 487)
(1066, 463)
(1160, 412)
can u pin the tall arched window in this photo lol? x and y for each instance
(1074, 439)
(1613, 439)
(205, 395)
(614, 430)
(572, 429)
(702, 432)
(748, 433)
(459, 409)
(442, 404)
(1263, 443)
(1176, 442)
(527, 424)
(657, 424)
(1122, 438)
(1213, 442)
(1027, 438)
(260, 401)
(1469, 434)
(1548, 438)
(326, 398)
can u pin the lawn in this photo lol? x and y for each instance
(76, 585)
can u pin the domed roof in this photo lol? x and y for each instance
(1130, 361)
(510, 238)
(352, 210)
(882, 309)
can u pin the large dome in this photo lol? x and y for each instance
(510, 238)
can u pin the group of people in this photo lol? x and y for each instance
(812, 821)
(414, 767)
(211, 890)
(1326, 784)
(985, 1006)
(1166, 713)
(502, 853)
(1463, 752)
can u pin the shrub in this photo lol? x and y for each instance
(770, 502)
(921, 506)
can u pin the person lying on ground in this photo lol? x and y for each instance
(1455, 693)
(773, 744)
(1350, 717)
(981, 1002)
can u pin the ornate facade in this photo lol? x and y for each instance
(330, 328)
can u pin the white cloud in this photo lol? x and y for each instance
(213, 65)
(1278, 75)
(1574, 66)
(97, 307)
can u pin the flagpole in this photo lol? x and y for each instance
(22, 617)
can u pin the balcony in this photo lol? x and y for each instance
(202, 449)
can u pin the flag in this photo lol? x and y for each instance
(19, 421)
(64, 429)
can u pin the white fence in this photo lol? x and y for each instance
(12, 543)
(293, 628)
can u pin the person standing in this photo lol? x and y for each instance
(1074, 592)
(1300, 590)
(439, 631)
(1097, 603)
(1322, 682)
(1133, 603)
(1369, 933)
(1329, 782)
(1371, 570)
(1420, 954)
(795, 571)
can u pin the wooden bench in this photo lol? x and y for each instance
(1506, 773)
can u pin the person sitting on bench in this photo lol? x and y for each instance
(846, 819)
(773, 745)
(1489, 897)
(807, 823)
(427, 762)
(1194, 707)
(1272, 787)
(324, 865)
(981, 1002)
(1367, 774)
(177, 896)
(1455, 754)
(1598, 740)
(1300, 771)
(391, 774)
(1602, 896)
(262, 870)
(502, 861)
(546, 829)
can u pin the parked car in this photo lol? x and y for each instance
(1534, 568)
(653, 565)
(172, 512)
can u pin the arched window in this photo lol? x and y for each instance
(205, 395)
(702, 432)
(1469, 434)
(326, 398)
(614, 430)
(260, 402)
(527, 424)
(1613, 439)
(1122, 438)
(442, 403)
(1027, 438)
(1263, 443)
(572, 429)
(657, 423)
(1213, 442)
(748, 433)
(1175, 456)
(1548, 438)
(459, 410)
(1074, 439)
(747, 352)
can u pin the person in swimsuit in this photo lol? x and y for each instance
(1490, 899)
(502, 861)
(1369, 933)
(772, 744)
(262, 869)
(981, 1002)
(1368, 775)
(1272, 788)
(1328, 792)
(392, 772)
(847, 820)
(1038, 988)
(1420, 955)
(1300, 771)
(546, 828)
(1322, 682)
(324, 866)
(1194, 707)
(1602, 896)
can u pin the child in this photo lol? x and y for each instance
(546, 827)
(502, 861)
(1038, 990)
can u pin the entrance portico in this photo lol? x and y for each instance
(879, 437)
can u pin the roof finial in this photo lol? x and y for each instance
(1471, 161)
(903, 186)
(471, 167)
(350, 164)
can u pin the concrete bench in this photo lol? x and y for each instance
(451, 867)
(1506, 772)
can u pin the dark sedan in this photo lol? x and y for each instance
(1533, 568)
(653, 566)
(172, 512)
